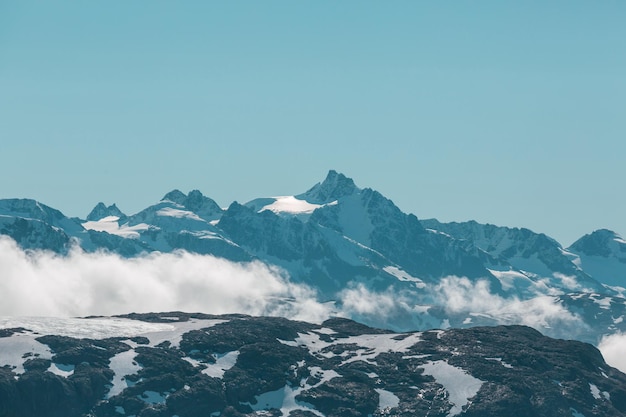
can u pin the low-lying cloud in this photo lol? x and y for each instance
(37, 283)
(613, 347)
(460, 295)
(459, 302)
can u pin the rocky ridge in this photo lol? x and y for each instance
(193, 365)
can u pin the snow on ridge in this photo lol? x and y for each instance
(105, 327)
(89, 328)
(110, 225)
(178, 213)
(174, 334)
(293, 205)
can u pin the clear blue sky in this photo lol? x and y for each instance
(512, 113)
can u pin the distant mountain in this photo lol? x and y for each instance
(603, 254)
(100, 211)
(337, 237)
(535, 255)
(195, 365)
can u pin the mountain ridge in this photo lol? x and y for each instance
(337, 237)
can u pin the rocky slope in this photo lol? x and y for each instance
(193, 365)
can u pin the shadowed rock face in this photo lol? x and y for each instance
(193, 365)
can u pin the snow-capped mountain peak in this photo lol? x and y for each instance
(175, 196)
(603, 255)
(337, 237)
(334, 187)
(204, 207)
(602, 242)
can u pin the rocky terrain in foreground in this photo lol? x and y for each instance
(188, 365)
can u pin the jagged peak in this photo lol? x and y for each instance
(197, 202)
(605, 233)
(175, 196)
(195, 194)
(597, 242)
(600, 235)
(101, 211)
(335, 186)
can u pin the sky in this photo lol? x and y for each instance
(511, 113)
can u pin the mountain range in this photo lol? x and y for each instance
(336, 237)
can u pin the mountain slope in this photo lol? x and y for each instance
(602, 254)
(536, 255)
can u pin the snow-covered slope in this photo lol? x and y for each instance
(540, 259)
(178, 221)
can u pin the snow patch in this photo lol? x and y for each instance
(177, 213)
(123, 364)
(508, 279)
(60, 369)
(20, 347)
(175, 333)
(293, 205)
(595, 391)
(368, 347)
(222, 364)
(404, 276)
(84, 328)
(284, 398)
(604, 303)
(459, 384)
(111, 226)
(386, 399)
(506, 365)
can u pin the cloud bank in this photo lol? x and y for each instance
(37, 283)
(613, 347)
(460, 295)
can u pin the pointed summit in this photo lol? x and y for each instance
(175, 196)
(100, 211)
(602, 242)
(335, 186)
(203, 206)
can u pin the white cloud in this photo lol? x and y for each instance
(37, 283)
(45, 284)
(361, 301)
(613, 348)
(544, 313)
